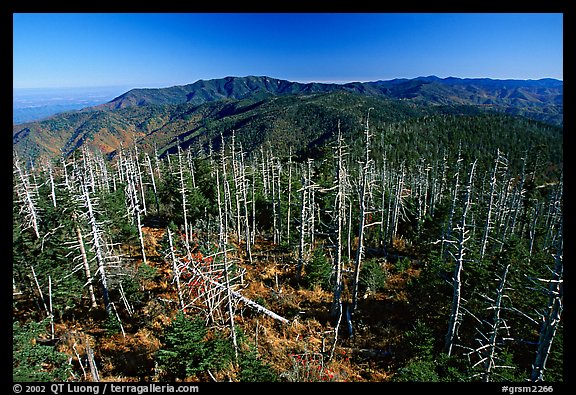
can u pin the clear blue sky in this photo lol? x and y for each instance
(162, 49)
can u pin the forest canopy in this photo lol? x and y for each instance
(382, 248)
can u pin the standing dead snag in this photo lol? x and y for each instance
(85, 263)
(342, 187)
(489, 341)
(50, 171)
(498, 162)
(135, 205)
(288, 204)
(365, 192)
(306, 217)
(183, 191)
(398, 206)
(76, 214)
(26, 195)
(461, 228)
(175, 269)
(153, 179)
(384, 224)
(447, 230)
(340, 211)
(241, 197)
(223, 240)
(553, 312)
(98, 245)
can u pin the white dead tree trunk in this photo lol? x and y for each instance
(447, 231)
(183, 191)
(153, 179)
(275, 169)
(241, 197)
(265, 178)
(26, 197)
(175, 269)
(364, 209)
(208, 288)
(40, 293)
(223, 242)
(398, 202)
(306, 217)
(103, 252)
(553, 313)
(253, 208)
(85, 263)
(554, 214)
(48, 168)
(103, 175)
(461, 228)
(191, 167)
(499, 161)
(519, 198)
(133, 204)
(98, 245)
(157, 162)
(289, 204)
(383, 212)
(138, 173)
(421, 180)
(340, 212)
(489, 342)
(89, 179)
(237, 186)
(75, 190)
(244, 198)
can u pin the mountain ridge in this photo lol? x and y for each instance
(241, 87)
(206, 108)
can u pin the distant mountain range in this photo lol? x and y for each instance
(527, 95)
(265, 108)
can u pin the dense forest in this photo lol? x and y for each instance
(420, 248)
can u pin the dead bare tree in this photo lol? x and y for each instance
(98, 244)
(306, 217)
(276, 195)
(244, 185)
(175, 269)
(240, 182)
(447, 230)
(398, 206)
(365, 192)
(26, 193)
(136, 208)
(462, 238)
(341, 182)
(490, 340)
(499, 162)
(552, 314)
(85, 263)
(49, 169)
(223, 240)
(153, 179)
(183, 191)
(74, 189)
(289, 203)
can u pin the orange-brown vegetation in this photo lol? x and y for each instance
(297, 351)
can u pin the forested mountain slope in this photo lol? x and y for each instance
(205, 109)
(331, 236)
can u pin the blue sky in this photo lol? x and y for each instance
(163, 49)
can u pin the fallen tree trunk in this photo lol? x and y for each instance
(237, 295)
